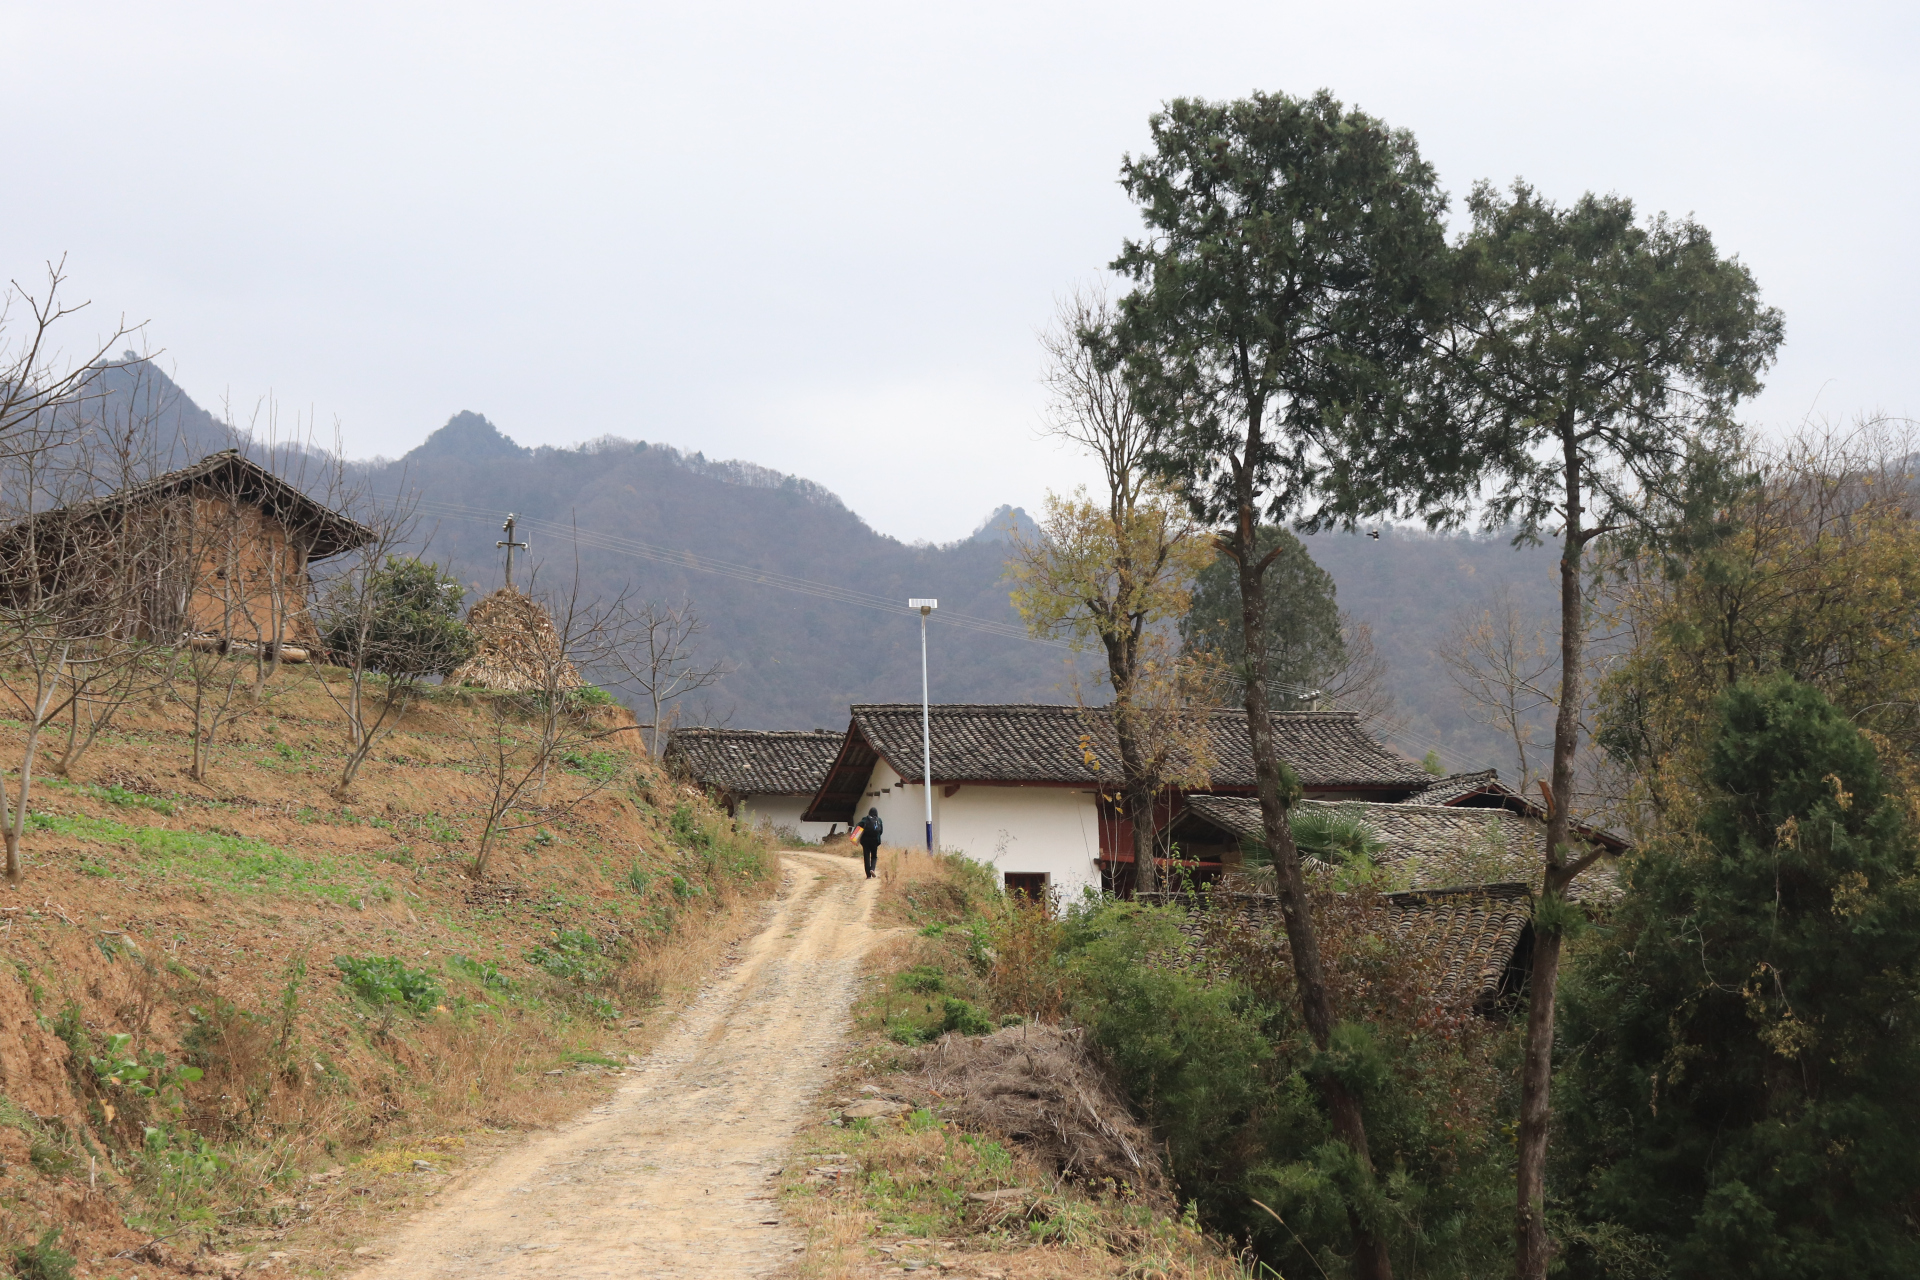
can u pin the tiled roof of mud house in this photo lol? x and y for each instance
(1431, 846)
(755, 762)
(228, 474)
(1458, 787)
(1468, 934)
(1484, 790)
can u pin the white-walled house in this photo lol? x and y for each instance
(1019, 787)
(761, 776)
(1010, 788)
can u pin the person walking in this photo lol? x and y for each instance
(870, 828)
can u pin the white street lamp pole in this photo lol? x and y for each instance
(926, 722)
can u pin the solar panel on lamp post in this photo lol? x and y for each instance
(926, 722)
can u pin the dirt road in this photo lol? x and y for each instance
(673, 1175)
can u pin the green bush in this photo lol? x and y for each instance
(386, 982)
(962, 1017)
(638, 879)
(921, 979)
(405, 622)
(43, 1260)
(577, 956)
(484, 972)
(1216, 1059)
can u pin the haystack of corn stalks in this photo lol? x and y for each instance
(519, 651)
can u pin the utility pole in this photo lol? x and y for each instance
(510, 544)
(926, 722)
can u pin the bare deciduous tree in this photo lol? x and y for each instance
(1506, 664)
(388, 623)
(521, 734)
(658, 657)
(1115, 570)
(37, 381)
(70, 605)
(1361, 683)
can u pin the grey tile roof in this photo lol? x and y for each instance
(754, 762)
(1484, 790)
(1469, 935)
(1456, 787)
(1430, 846)
(1330, 750)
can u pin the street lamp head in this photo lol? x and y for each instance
(924, 606)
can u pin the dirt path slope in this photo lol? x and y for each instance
(673, 1175)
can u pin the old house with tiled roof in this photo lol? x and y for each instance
(220, 551)
(1484, 790)
(1024, 788)
(1475, 937)
(1422, 846)
(1463, 879)
(765, 776)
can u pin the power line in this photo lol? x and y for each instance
(633, 547)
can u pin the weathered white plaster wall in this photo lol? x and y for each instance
(1025, 829)
(785, 811)
(1053, 830)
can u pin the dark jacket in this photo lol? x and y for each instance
(870, 828)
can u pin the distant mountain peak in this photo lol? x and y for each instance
(469, 435)
(1006, 520)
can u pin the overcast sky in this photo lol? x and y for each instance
(822, 237)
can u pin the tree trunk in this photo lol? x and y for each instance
(1370, 1261)
(1137, 788)
(1533, 1249)
(15, 872)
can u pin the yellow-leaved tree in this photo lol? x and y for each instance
(1808, 567)
(1115, 572)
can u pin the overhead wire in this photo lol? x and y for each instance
(838, 594)
(681, 558)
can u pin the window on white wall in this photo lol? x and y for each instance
(1028, 884)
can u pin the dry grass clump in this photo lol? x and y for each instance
(874, 1196)
(920, 888)
(1039, 1086)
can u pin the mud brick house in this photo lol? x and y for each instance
(760, 775)
(1465, 877)
(1422, 846)
(1477, 938)
(1028, 789)
(215, 554)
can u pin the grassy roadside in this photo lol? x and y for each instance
(242, 1022)
(914, 1188)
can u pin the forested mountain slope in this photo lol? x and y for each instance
(801, 658)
